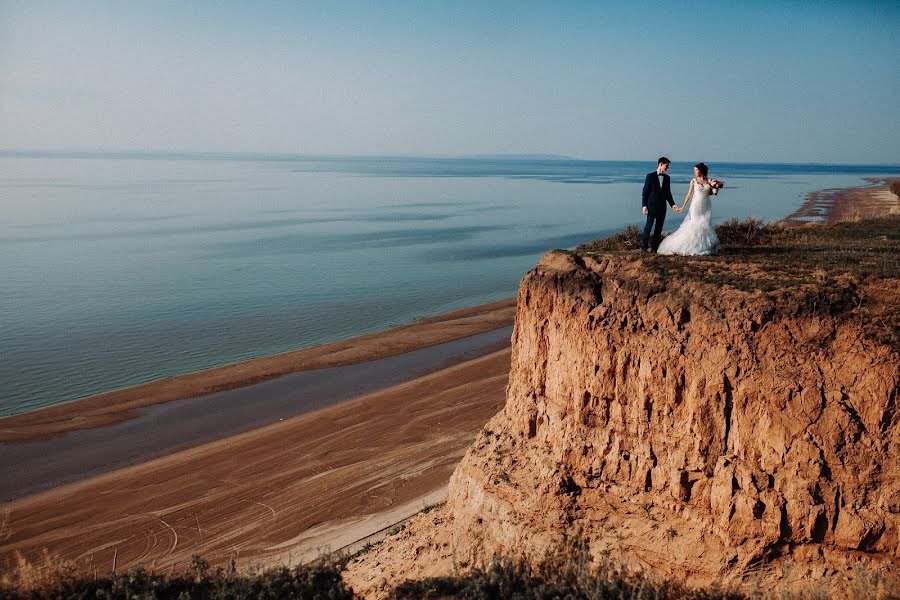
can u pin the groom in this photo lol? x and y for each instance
(657, 191)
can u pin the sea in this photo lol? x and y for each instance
(121, 268)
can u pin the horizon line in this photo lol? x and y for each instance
(258, 155)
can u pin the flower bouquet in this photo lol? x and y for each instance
(717, 184)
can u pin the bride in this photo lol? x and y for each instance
(696, 235)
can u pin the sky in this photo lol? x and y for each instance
(751, 81)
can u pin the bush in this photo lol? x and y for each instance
(318, 580)
(628, 239)
(567, 571)
(749, 232)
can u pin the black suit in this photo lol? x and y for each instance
(654, 198)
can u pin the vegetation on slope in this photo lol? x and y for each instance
(568, 571)
(59, 580)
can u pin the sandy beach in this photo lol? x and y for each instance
(852, 204)
(114, 407)
(278, 493)
(297, 487)
(157, 430)
(284, 492)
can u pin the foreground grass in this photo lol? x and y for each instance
(60, 581)
(567, 571)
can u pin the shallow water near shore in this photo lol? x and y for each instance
(117, 269)
(159, 430)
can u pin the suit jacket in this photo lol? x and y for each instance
(654, 195)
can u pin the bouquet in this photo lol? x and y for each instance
(717, 184)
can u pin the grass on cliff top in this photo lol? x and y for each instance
(756, 240)
(821, 268)
(775, 255)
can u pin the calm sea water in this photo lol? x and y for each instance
(120, 269)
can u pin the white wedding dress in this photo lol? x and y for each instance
(695, 236)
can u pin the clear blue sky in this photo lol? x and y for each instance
(813, 81)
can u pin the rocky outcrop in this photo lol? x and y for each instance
(698, 429)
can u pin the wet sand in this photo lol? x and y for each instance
(276, 494)
(115, 407)
(27, 467)
(851, 204)
(362, 433)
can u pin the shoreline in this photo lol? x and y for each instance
(110, 408)
(847, 204)
(163, 429)
(116, 406)
(275, 493)
(278, 493)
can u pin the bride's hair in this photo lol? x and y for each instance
(702, 168)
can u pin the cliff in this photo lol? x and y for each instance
(727, 418)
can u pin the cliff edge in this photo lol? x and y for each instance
(728, 418)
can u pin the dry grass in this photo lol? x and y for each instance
(749, 232)
(51, 578)
(833, 269)
(569, 571)
(45, 573)
(5, 532)
(628, 239)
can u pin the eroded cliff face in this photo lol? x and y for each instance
(681, 425)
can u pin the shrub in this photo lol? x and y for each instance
(749, 232)
(627, 239)
(321, 579)
(567, 571)
(430, 507)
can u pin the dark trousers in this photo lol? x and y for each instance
(655, 220)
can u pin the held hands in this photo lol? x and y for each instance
(644, 210)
